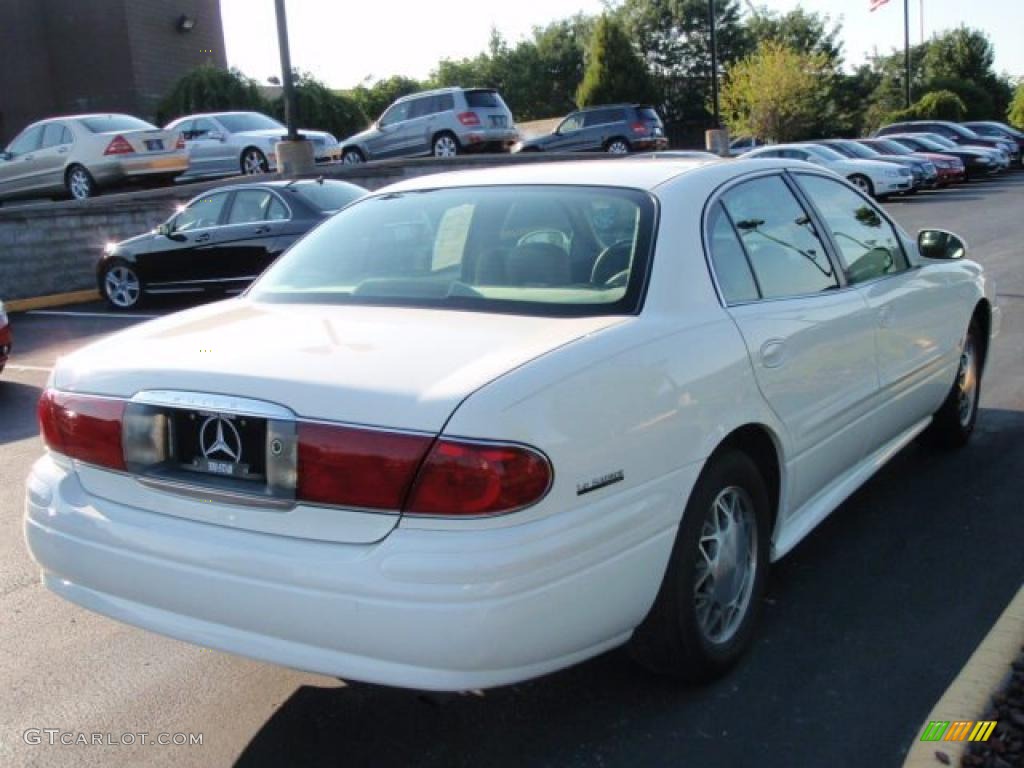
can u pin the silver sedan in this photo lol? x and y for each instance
(230, 143)
(78, 154)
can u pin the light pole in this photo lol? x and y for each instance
(295, 155)
(717, 121)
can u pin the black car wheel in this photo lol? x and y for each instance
(79, 183)
(703, 617)
(122, 287)
(254, 162)
(353, 157)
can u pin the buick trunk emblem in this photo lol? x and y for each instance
(215, 439)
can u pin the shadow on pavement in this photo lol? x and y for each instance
(866, 622)
(17, 410)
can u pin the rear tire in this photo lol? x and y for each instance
(445, 145)
(953, 424)
(79, 183)
(703, 618)
(617, 146)
(353, 156)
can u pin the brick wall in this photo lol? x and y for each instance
(53, 248)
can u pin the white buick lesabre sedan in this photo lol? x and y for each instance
(481, 426)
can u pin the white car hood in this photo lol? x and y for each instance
(382, 366)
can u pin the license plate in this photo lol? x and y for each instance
(154, 144)
(498, 121)
(226, 445)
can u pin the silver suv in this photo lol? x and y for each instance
(442, 123)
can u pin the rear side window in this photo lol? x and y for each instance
(867, 242)
(785, 252)
(53, 135)
(732, 269)
(597, 117)
(445, 102)
(421, 107)
(479, 99)
(111, 123)
(250, 205)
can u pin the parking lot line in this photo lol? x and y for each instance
(64, 313)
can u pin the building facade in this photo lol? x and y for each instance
(62, 57)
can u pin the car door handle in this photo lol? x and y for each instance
(26, 158)
(885, 316)
(262, 230)
(203, 237)
(773, 353)
(63, 150)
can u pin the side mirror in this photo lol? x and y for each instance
(216, 136)
(940, 244)
(165, 229)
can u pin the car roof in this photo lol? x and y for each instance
(446, 89)
(621, 105)
(218, 114)
(83, 116)
(645, 176)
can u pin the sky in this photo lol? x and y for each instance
(344, 43)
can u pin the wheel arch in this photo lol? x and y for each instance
(762, 445)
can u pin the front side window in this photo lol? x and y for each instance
(544, 250)
(421, 107)
(571, 123)
(868, 245)
(249, 121)
(785, 252)
(202, 213)
(396, 113)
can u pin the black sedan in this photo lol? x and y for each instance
(220, 241)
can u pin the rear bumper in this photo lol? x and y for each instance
(489, 139)
(424, 609)
(167, 164)
(652, 143)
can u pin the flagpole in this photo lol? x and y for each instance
(906, 51)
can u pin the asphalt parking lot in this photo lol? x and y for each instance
(864, 626)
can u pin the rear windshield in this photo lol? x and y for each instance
(478, 99)
(649, 114)
(111, 123)
(249, 121)
(329, 196)
(543, 250)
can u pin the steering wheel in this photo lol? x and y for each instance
(611, 262)
(551, 236)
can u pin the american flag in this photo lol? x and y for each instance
(876, 4)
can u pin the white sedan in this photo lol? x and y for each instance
(873, 177)
(484, 425)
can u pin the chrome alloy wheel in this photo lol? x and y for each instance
(352, 157)
(862, 184)
(967, 382)
(618, 147)
(253, 163)
(122, 287)
(80, 184)
(726, 565)
(445, 146)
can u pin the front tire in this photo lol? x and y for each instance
(445, 145)
(863, 183)
(953, 424)
(80, 183)
(704, 615)
(121, 285)
(254, 162)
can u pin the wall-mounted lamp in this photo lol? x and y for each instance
(186, 23)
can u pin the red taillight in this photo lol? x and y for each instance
(119, 146)
(639, 128)
(180, 143)
(351, 467)
(83, 427)
(461, 478)
(468, 118)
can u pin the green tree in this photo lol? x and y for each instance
(319, 108)
(614, 71)
(674, 39)
(374, 98)
(774, 93)
(940, 105)
(1015, 114)
(210, 89)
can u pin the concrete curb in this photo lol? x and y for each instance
(54, 300)
(970, 693)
